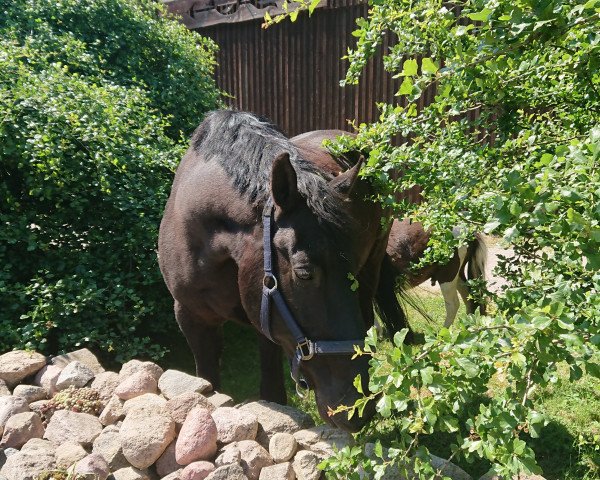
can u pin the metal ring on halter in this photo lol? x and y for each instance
(301, 387)
(269, 277)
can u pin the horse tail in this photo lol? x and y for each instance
(477, 259)
(388, 308)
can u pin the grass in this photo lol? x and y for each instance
(568, 448)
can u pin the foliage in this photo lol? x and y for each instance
(510, 145)
(89, 139)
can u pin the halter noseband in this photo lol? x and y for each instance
(305, 348)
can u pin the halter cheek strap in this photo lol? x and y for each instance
(305, 348)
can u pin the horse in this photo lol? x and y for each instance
(270, 232)
(406, 245)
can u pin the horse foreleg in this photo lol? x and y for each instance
(205, 341)
(463, 289)
(451, 301)
(272, 386)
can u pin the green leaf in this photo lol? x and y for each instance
(481, 16)
(406, 87)
(409, 68)
(470, 368)
(428, 66)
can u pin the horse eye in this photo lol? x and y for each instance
(303, 273)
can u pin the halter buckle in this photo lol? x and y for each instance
(270, 282)
(305, 350)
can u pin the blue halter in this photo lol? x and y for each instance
(305, 348)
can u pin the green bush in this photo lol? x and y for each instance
(91, 128)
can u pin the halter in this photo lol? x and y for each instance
(305, 348)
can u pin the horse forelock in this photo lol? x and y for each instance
(246, 145)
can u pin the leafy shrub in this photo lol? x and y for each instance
(89, 139)
(509, 145)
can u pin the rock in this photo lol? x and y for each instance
(167, 463)
(76, 374)
(137, 384)
(145, 434)
(130, 473)
(449, 469)
(47, 377)
(253, 458)
(228, 472)
(219, 399)
(39, 445)
(173, 476)
(105, 383)
(10, 406)
(180, 406)
(174, 382)
(29, 463)
(234, 425)
(95, 465)
(21, 428)
(68, 426)
(112, 412)
(38, 407)
(19, 364)
(108, 445)
(282, 447)
(197, 471)
(198, 437)
(305, 465)
(323, 433)
(83, 356)
(4, 391)
(493, 476)
(134, 366)
(281, 471)
(30, 393)
(145, 400)
(274, 418)
(230, 454)
(69, 453)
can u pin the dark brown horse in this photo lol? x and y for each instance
(268, 232)
(406, 245)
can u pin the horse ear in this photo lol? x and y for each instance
(346, 181)
(284, 183)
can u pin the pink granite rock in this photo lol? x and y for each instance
(198, 437)
(137, 384)
(234, 425)
(197, 471)
(47, 377)
(21, 428)
(167, 463)
(19, 364)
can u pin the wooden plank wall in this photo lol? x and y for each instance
(290, 72)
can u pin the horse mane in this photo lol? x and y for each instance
(245, 145)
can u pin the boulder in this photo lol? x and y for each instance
(130, 473)
(180, 406)
(274, 418)
(108, 445)
(234, 425)
(105, 383)
(47, 377)
(230, 454)
(112, 412)
(134, 366)
(219, 399)
(228, 472)
(69, 453)
(174, 382)
(19, 364)
(197, 471)
(198, 437)
(83, 356)
(449, 469)
(35, 457)
(30, 393)
(253, 458)
(68, 426)
(93, 464)
(145, 434)
(21, 428)
(75, 374)
(167, 463)
(281, 471)
(282, 447)
(4, 391)
(9, 406)
(305, 465)
(137, 384)
(143, 401)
